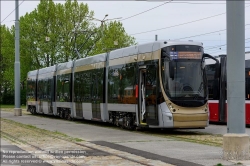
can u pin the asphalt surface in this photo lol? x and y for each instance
(149, 145)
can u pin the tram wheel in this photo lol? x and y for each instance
(68, 117)
(31, 110)
(61, 113)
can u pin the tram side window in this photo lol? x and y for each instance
(64, 88)
(151, 92)
(113, 85)
(151, 84)
(213, 84)
(97, 84)
(78, 87)
(82, 86)
(127, 86)
(45, 89)
(41, 89)
(86, 85)
(122, 82)
(31, 89)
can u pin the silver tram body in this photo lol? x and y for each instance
(130, 87)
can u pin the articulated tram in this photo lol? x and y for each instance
(161, 84)
(218, 89)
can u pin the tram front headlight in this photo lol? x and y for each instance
(171, 107)
(206, 108)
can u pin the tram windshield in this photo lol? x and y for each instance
(186, 84)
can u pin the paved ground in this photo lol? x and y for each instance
(163, 147)
(13, 155)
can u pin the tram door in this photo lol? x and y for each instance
(96, 96)
(148, 111)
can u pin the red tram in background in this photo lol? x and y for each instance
(218, 89)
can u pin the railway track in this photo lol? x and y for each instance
(35, 147)
(63, 139)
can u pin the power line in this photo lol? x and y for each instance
(222, 50)
(146, 11)
(12, 11)
(223, 45)
(193, 3)
(202, 34)
(178, 24)
(181, 24)
(205, 33)
(196, 35)
(215, 47)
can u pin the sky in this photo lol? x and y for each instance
(175, 20)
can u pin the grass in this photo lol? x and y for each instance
(35, 129)
(12, 106)
(78, 140)
(219, 164)
(60, 133)
(31, 126)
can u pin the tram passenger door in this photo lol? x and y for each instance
(148, 110)
(96, 99)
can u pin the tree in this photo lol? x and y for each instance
(7, 56)
(108, 34)
(75, 27)
(61, 23)
(69, 28)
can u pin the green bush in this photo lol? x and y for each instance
(23, 97)
(8, 98)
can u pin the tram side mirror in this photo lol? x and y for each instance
(217, 64)
(171, 69)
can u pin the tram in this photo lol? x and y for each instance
(218, 89)
(161, 84)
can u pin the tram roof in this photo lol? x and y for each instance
(123, 52)
(148, 47)
(66, 65)
(132, 50)
(47, 69)
(91, 60)
(32, 73)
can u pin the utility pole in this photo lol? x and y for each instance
(236, 141)
(155, 37)
(17, 109)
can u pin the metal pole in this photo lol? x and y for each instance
(236, 66)
(17, 63)
(106, 85)
(155, 37)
